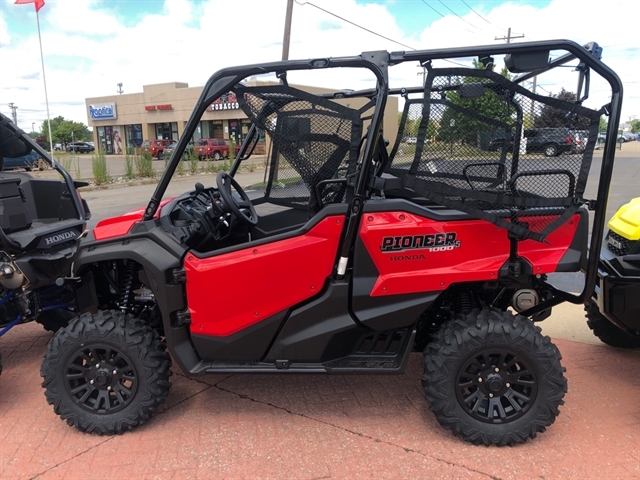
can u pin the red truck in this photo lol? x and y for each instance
(215, 148)
(156, 147)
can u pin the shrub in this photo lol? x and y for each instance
(144, 166)
(193, 164)
(99, 166)
(128, 167)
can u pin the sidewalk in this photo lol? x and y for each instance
(312, 426)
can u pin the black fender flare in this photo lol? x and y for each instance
(157, 262)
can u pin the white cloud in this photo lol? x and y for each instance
(5, 38)
(89, 49)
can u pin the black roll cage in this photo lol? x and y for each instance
(378, 62)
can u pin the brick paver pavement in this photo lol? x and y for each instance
(311, 426)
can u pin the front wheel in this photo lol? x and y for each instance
(106, 373)
(492, 378)
(216, 156)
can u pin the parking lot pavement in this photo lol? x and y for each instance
(312, 426)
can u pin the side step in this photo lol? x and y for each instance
(377, 353)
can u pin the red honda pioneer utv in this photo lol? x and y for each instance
(41, 221)
(353, 254)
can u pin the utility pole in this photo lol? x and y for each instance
(287, 31)
(509, 36)
(14, 114)
(120, 91)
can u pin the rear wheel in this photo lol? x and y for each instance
(608, 332)
(492, 378)
(106, 373)
(551, 150)
(216, 156)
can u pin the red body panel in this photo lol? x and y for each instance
(545, 256)
(479, 251)
(264, 280)
(120, 226)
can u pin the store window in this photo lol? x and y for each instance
(133, 137)
(167, 131)
(105, 140)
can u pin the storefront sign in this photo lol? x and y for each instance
(225, 102)
(103, 111)
(165, 107)
(224, 106)
(150, 108)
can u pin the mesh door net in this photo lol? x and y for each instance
(313, 140)
(480, 143)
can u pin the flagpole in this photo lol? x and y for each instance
(44, 78)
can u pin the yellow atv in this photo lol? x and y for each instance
(613, 313)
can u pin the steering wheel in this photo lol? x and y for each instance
(224, 181)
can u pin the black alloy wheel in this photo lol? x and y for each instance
(101, 379)
(496, 386)
(492, 378)
(106, 373)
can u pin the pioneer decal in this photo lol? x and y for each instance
(60, 237)
(437, 242)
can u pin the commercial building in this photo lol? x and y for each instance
(122, 122)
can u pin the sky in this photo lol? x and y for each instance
(90, 46)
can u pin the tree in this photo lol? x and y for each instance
(635, 126)
(469, 126)
(65, 131)
(551, 117)
(603, 123)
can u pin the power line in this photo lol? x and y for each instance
(370, 31)
(352, 23)
(469, 7)
(433, 8)
(469, 23)
(423, 1)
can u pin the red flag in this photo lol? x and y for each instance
(37, 3)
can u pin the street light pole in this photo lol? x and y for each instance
(33, 127)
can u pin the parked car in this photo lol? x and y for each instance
(498, 143)
(550, 141)
(215, 148)
(26, 162)
(80, 147)
(168, 150)
(156, 147)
